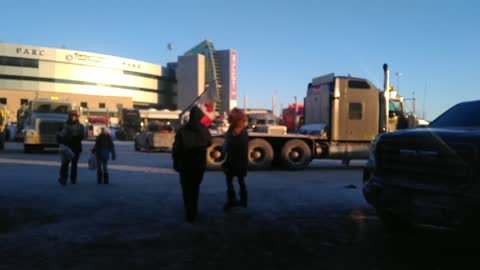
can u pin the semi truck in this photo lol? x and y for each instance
(95, 124)
(129, 124)
(3, 125)
(44, 118)
(350, 111)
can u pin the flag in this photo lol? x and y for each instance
(208, 113)
(206, 103)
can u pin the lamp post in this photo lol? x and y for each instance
(398, 74)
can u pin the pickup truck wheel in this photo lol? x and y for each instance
(27, 148)
(215, 156)
(394, 224)
(136, 147)
(260, 154)
(296, 155)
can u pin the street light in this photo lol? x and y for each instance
(398, 74)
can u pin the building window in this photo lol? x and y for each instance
(3, 101)
(84, 105)
(23, 101)
(18, 62)
(358, 84)
(355, 111)
(101, 105)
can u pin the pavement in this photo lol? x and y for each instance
(311, 219)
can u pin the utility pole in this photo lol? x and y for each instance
(245, 99)
(398, 80)
(274, 104)
(170, 48)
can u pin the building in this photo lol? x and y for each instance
(90, 80)
(203, 66)
(98, 81)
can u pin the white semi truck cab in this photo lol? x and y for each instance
(45, 117)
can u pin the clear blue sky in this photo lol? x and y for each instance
(281, 44)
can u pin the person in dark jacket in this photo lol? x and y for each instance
(76, 133)
(189, 154)
(103, 148)
(236, 161)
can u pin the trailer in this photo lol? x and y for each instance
(350, 112)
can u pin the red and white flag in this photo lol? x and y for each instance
(208, 113)
(206, 103)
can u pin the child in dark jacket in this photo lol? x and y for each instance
(102, 150)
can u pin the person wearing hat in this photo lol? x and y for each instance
(76, 132)
(103, 148)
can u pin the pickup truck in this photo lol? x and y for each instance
(428, 176)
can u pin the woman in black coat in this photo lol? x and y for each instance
(189, 154)
(236, 162)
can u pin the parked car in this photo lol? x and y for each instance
(155, 137)
(428, 175)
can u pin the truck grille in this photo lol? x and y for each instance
(451, 165)
(50, 128)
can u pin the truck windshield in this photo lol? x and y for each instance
(51, 108)
(395, 106)
(461, 115)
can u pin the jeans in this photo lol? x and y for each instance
(73, 170)
(102, 165)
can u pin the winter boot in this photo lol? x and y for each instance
(73, 177)
(62, 181)
(105, 178)
(243, 198)
(231, 201)
(99, 177)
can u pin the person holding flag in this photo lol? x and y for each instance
(189, 152)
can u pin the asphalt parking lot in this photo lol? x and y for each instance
(311, 219)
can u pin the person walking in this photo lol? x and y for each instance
(189, 155)
(73, 140)
(236, 161)
(102, 149)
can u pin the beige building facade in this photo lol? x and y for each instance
(90, 80)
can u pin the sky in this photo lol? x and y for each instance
(282, 45)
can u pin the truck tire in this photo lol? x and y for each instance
(395, 225)
(215, 156)
(135, 146)
(296, 155)
(27, 148)
(260, 154)
(3, 138)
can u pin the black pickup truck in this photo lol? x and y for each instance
(428, 176)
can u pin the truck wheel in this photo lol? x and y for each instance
(260, 154)
(215, 156)
(394, 224)
(296, 155)
(136, 147)
(27, 148)
(2, 141)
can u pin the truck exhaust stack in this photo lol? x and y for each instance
(386, 79)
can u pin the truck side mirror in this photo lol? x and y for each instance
(391, 114)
